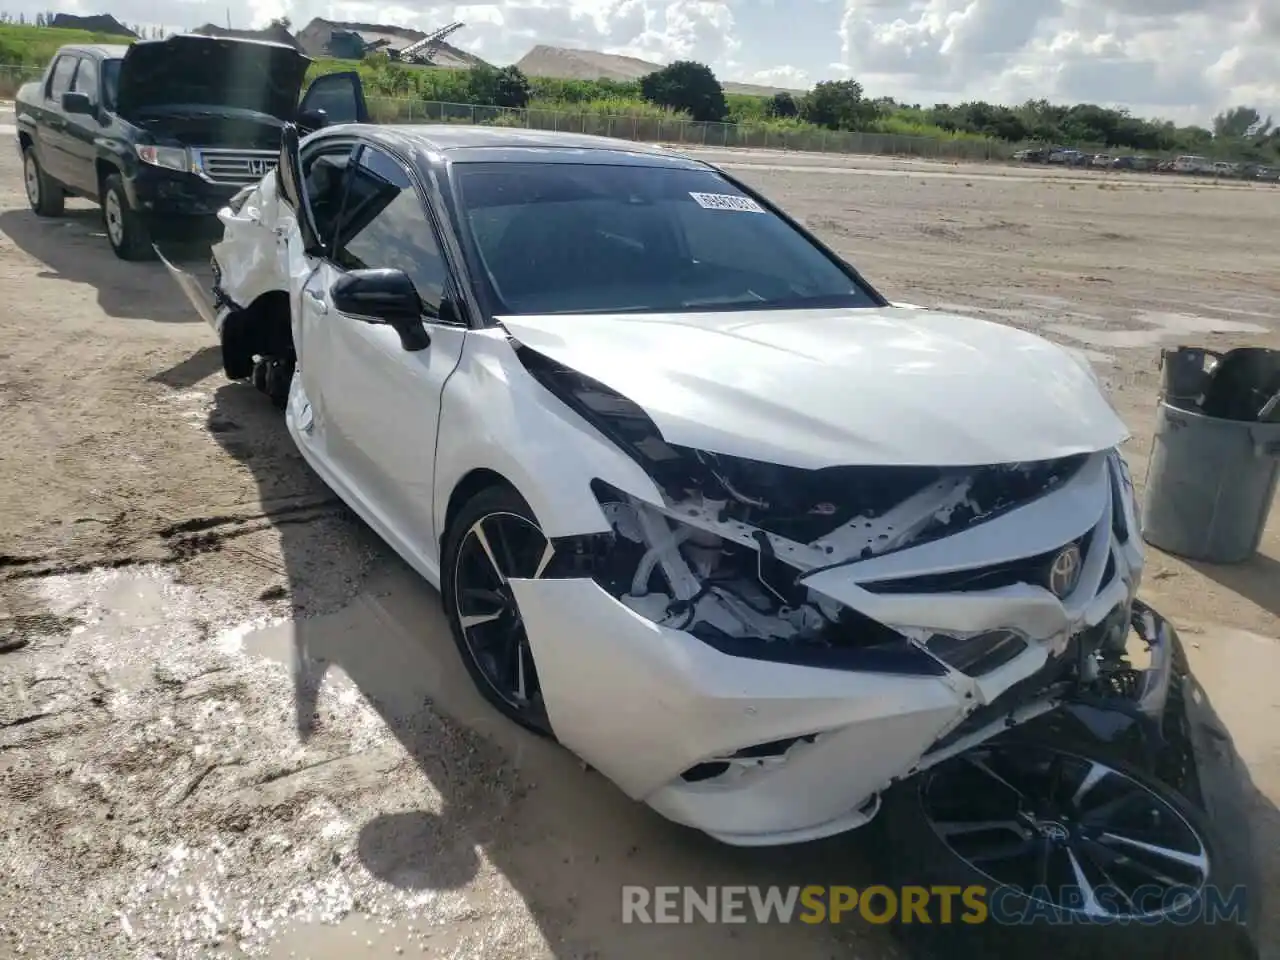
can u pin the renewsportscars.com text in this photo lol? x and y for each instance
(970, 905)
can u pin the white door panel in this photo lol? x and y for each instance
(383, 407)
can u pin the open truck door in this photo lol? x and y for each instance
(332, 98)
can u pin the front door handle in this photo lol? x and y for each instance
(317, 301)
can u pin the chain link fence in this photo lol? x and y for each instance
(653, 129)
(12, 76)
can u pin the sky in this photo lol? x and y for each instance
(1183, 60)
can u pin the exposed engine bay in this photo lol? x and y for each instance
(726, 555)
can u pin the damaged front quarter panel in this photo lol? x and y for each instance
(733, 551)
(927, 584)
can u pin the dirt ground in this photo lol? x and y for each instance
(170, 786)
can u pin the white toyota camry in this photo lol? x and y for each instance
(753, 542)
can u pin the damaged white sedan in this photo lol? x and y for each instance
(753, 542)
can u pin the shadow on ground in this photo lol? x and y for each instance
(562, 836)
(566, 840)
(74, 248)
(1257, 579)
(1233, 716)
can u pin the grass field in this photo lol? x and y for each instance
(25, 51)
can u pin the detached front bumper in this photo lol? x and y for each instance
(754, 752)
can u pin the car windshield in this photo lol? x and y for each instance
(576, 238)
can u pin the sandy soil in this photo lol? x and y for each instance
(171, 786)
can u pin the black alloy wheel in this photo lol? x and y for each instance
(493, 539)
(1070, 832)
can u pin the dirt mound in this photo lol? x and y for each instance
(570, 64)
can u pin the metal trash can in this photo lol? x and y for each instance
(1211, 480)
(1184, 373)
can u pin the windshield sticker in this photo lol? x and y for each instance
(726, 201)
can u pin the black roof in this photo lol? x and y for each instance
(464, 143)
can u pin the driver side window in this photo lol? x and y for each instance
(86, 80)
(60, 78)
(384, 224)
(324, 172)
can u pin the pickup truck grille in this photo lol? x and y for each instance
(235, 167)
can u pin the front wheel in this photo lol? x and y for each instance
(1075, 857)
(494, 538)
(126, 231)
(44, 195)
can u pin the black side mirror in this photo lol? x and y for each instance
(78, 103)
(313, 119)
(383, 296)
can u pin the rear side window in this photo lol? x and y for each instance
(60, 80)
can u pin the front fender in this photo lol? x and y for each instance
(495, 416)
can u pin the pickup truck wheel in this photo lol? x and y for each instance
(45, 196)
(126, 232)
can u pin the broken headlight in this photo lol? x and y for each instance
(168, 158)
(738, 598)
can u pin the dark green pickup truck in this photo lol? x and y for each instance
(162, 133)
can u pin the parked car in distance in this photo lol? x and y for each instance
(1192, 164)
(1102, 160)
(1225, 169)
(162, 133)
(1033, 155)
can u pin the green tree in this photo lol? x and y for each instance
(507, 87)
(838, 105)
(688, 86)
(1240, 122)
(511, 88)
(783, 105)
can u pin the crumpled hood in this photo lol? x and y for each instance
(818, 388)
(223, 72)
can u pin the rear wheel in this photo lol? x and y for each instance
(44, 195)
(493, 538)
(1079, 857)
(126, 232)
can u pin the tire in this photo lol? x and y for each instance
(503, 515)
(126, 231)
(918, 855)
(43, 193)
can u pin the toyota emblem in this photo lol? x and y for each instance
(1064, 572)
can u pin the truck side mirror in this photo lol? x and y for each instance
(313, 119)
(73, 102)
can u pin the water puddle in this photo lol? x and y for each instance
(260, 788)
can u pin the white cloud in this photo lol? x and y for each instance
(1182, 59)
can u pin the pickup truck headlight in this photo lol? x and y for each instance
(170, 158)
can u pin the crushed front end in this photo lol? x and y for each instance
(765, 650)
